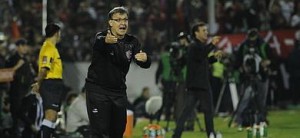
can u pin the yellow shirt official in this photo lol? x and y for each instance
(49, 58)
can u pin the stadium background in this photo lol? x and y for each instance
(154, 22)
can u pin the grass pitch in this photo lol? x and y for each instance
(283, 124)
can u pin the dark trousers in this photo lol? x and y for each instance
(180, 99)
(16, 95)
(14, 109)
(169, 93)
(295, 89)
(107, 114)
(205, 99)
(28, 133)
(217, 83)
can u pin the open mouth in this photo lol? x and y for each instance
(123, 28)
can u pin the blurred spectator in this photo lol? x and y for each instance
(69, 100)
(6, 121)
(139, 103)
(293, 67)
(77, 117)
(295, 19)
(237, 11)
(2, 50)
(277, 19)
(3, 85)
(252, 17)
(287, 7)
(263, 16)
(165, 18)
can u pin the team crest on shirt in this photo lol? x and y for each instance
(128, 54)
(44, 60)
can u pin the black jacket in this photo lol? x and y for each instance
(23, 77)
(198, 65)
(110, 62)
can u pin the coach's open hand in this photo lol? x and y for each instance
(110, 39)
(141, 56)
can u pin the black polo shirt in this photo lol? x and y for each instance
(110, 62)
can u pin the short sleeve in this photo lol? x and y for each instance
(47, 58)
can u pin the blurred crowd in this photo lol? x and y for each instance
(154, 22)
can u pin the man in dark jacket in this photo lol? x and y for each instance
(197, 81)
(23, 79)
(113, 52)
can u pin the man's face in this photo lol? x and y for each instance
(119, 24)
(23, 49)
(252, 41)
(202, 33)
(183, 41)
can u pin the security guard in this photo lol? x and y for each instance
(23, 78)
(49, 82)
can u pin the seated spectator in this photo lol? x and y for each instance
(139, 103)
(77, 117)
(5, 119)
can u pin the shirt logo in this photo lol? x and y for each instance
(95, 110)
(44, 60)
(128, 54)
